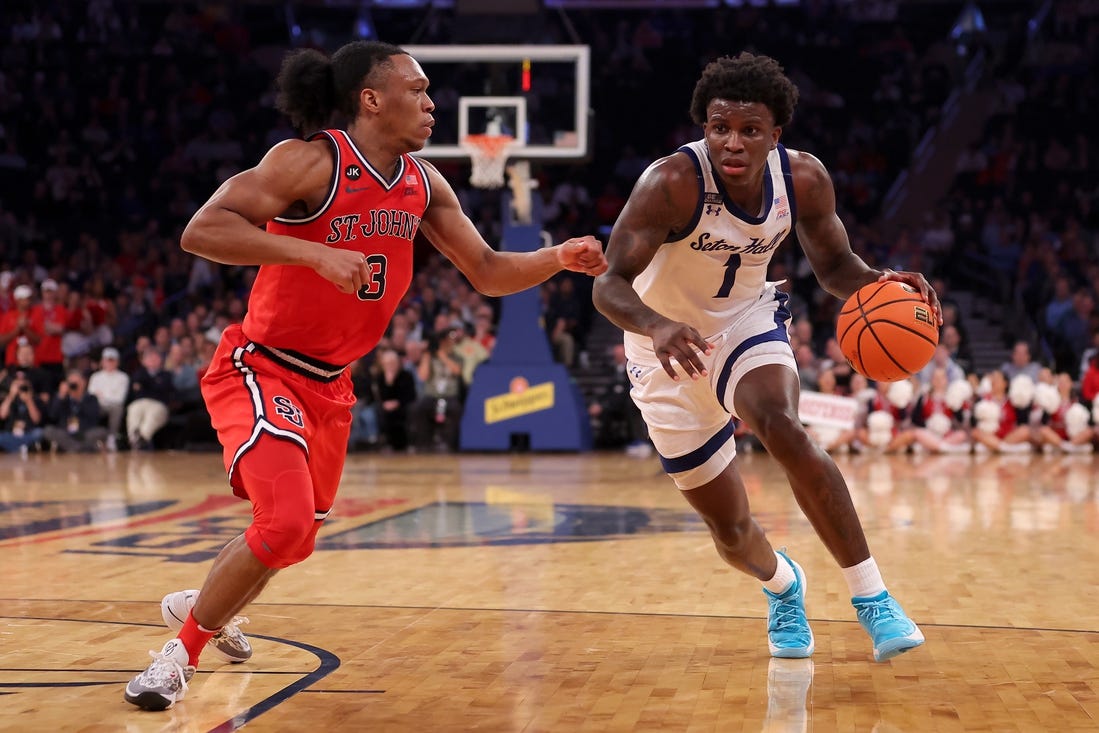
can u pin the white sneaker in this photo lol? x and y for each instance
(228, 644)
(1068, 447)
(1015, 447)
(164, 681)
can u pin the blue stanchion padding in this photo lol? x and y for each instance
(520, 397)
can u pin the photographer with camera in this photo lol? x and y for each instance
(20, 415)
(72, 422)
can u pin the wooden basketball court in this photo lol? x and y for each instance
(552, 593)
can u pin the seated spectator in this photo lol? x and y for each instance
(561, 319)
(484, 331)
(616, 420)
(1072, 334)
(151, 392)
(437, 412)
(838, 364)
(364, 415)
(16, 325)
(940, 360)
(72, 418)
(414, 351)
(808, 369)
(20, 415)
(394, 393)
(1020, 363)
(50, 317)
(833, 439)
(82, 335)
(181, 364)
(471, 352)
(110, 386)
(1059, 305)
(952, 339)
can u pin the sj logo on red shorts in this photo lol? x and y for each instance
(287, 410)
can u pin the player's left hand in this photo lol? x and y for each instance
(919, 282)
(583, 254)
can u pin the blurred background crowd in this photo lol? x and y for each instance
(956, 134)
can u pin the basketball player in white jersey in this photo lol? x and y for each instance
(706, 335)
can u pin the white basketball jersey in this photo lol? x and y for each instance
(710, 276)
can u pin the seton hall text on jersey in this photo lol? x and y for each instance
(754, 246)
(379, 222)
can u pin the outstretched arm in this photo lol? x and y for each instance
(227, 229)
(498, 273)
(824, 239)
(661, 203)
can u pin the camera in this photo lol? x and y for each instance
(74, 385)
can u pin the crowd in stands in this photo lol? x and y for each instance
(100, 172)
(1019, 407)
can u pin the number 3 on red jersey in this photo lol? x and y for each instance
(374, 288)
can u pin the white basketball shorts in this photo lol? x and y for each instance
(690, 421)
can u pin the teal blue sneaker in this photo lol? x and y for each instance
(788, 632)
(883, 618)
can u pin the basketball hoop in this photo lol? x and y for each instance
(488, 155)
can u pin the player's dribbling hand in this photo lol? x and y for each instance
(919, 282)
(345, 268)
(583, 254)
(674, 340)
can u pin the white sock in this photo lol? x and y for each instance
(174, 649)
(864, 579)
(783, 578)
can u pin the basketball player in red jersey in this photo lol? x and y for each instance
(341, 210)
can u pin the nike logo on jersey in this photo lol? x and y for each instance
(352, 189)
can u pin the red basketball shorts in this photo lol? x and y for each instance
(250, 395)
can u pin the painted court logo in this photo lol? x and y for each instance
(196, 533)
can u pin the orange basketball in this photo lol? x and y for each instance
(887, 331)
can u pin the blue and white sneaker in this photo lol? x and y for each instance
(892, 631)
(788, 632)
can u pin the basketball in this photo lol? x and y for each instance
(887, 331)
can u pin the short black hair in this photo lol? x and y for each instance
(745, 77)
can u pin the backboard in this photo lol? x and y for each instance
(540, 95)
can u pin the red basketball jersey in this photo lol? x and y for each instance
(294, 309)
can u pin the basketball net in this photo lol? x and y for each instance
(488, 155)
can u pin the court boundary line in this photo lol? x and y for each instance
(329, 662)
(639, 614)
